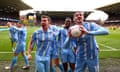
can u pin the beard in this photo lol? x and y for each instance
(45, 27)
(67, 27)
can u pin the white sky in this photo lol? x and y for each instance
(67, 5)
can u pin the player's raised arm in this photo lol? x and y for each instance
(98, 17)
(98, 30)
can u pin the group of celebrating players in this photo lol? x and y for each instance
(57, 45)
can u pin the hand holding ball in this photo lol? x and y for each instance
(75, 31)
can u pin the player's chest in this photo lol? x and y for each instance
(45, 36)
(64, 33)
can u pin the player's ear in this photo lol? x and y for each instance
(73, 19)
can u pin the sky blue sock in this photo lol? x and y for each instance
(69, 70)
(14, 60)
(61, 67)
(26, 60)
(52, 69)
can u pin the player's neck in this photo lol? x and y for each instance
(80, 23)
(45, 29)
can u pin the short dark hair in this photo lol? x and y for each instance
(45, 16)
(68, 18)
(79, 12)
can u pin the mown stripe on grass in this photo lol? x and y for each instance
(34, 51)
(109, 47)
(12, 52)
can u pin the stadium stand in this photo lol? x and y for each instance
(114, 13)
(9, 10)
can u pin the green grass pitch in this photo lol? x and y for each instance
(109, 44)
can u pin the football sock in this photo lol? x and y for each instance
(14, 60)
(26, 60)
(61, 67)
(52, 69)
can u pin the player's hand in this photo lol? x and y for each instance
(98, 49)
(84, 31)
(69, 34)
(29, 57)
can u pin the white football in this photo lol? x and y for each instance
(75, 31)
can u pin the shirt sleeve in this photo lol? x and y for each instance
(12, 31)
(97, 30)
(33, 39)
(68, 41)
(59, 39)
(74, 44)
(56, 30)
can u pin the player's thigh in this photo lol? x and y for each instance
(63, 57)
(80, 65)
(71, 57)
(93, 65)
(20, 47)
(47, 64)
(40, 67)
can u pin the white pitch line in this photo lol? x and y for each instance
(110, 50)
(114, 49)
(12, 52)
